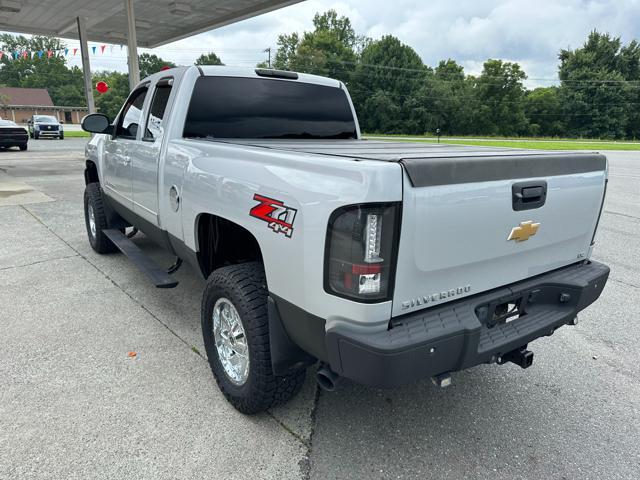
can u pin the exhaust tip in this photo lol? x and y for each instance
(327, 379)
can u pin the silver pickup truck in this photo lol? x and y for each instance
(386, 262)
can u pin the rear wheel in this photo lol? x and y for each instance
(96, 220)
(23, 147)
(235, 329)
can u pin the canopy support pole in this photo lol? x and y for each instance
(86, 66)
(134, 68)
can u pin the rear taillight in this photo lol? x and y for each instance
(361, 251)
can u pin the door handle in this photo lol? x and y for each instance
(528, 195)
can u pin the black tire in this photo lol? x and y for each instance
(93, 197)
(36, 135)
(61, 136)
(245, 286)
(23, 147)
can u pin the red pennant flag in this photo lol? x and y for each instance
(1, 54)
(102, 47)
(49, 53)
(75, 50)
(25, 54)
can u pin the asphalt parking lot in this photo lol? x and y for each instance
(74, 404)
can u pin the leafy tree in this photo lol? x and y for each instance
(329, 50)
(500, 93)
(447, 100)
(385, 83)
(287, 51)
(150, 64)
(544, 111)
(593, 91)
(110, 102)
(209, 59)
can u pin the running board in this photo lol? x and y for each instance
(159, 277)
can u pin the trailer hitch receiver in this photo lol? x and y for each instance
(520, 356)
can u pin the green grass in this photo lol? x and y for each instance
(498, 138)
(75, 134)
(557, 145)
(532, 144)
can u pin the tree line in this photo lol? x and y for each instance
(394, 92)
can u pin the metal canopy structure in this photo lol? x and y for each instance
(136, 23)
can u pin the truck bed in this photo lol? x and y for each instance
(442, 164)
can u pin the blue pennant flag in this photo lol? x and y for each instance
(40, 53)
(94, 50)
(66, 51)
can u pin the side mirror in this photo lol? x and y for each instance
(97, 123)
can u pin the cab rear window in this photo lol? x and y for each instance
(235, 107)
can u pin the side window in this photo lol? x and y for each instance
(157, 110)
(132, 114)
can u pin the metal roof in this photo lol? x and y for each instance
(157, 22)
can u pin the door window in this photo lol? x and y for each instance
(157, 110)
(131, 115)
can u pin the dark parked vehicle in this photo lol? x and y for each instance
(11, 135)
(41, 126)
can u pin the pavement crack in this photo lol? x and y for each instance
(622, 282)
(38, 262)
(289, 430)
(621, 214)
(305, 462)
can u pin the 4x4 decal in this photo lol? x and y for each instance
(279, 217)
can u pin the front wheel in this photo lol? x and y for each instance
(96, 219)
(235, 329)
(61, 136)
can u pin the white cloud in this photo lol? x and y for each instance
(469, 31)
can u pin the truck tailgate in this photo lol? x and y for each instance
(472, 223)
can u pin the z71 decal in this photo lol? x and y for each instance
(279, 217)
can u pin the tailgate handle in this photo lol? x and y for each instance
(529, 195)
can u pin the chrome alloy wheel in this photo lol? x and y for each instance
(231, 341)
(92, 220)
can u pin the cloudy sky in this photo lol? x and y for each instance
(530, 32)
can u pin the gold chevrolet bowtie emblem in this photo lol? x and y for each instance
(524, 231)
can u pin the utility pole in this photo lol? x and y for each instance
(268, 50)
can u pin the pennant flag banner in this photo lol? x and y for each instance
(62, 52)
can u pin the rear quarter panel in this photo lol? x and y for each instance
(222, 179)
